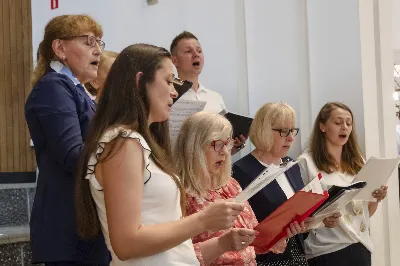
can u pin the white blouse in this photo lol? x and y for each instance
(353, 226)
(160, 204)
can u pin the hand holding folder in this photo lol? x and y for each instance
(240, 123)
(181, 87)
(297, 208)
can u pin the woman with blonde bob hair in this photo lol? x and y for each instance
(272, 132)
(203, 159)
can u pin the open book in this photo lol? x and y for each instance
(240, 123)
(296, 208)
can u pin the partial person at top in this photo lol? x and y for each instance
(188, 58)
(96, 85)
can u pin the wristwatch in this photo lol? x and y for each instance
(238, 148)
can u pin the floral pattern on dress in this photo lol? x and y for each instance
(246, 219)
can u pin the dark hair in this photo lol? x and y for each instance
(178, 38)
(60, 27)
(124, 104)
(352, 160)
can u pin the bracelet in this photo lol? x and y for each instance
(240, 147)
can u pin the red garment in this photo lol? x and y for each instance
(246, 219)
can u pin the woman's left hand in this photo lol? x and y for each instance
(295, 228)
(380, 194)
(239, 144)
(236, 239)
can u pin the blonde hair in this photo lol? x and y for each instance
(57, 28)
(104, 55)
(196, 134)
(268, 116)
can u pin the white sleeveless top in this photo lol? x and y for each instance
(160, 204)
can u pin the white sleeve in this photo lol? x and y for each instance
(307, 168)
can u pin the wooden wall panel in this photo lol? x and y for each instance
(15, 70)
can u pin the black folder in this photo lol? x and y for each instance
(336, 192)
(240, 123)
(181, 86)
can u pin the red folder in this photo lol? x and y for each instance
(297, 208)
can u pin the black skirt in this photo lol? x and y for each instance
(297, 256)
(353, 255)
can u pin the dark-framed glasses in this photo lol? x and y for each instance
(90, 40)
(219, 144)
(285, 132)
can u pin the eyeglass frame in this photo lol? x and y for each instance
(290, 131)
(228, 141)
(100, 42)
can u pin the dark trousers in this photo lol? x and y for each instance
(353, 255)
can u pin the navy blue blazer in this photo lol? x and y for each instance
(58, 114)
(269, 198)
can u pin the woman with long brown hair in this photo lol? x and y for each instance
(334, 152)
(127, 186)
(58, 111)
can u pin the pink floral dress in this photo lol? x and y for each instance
(246, 219)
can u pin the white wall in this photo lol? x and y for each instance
(132, 21)
(396, 24)
(335, 57)
(277, 55)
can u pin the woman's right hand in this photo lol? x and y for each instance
(332, 220)
(236, 239)
(279, 247)
(220, 215)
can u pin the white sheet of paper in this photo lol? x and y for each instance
(314, 186)
(179, 112)
(262, 180)
(376, 173)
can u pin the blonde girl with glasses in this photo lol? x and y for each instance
(203, 159)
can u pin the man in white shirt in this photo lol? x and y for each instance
(188, 58)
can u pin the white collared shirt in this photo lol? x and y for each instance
(60, 68)
(215, 102)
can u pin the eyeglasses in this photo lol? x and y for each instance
(219, 144)
(285, 132)
(90, 40)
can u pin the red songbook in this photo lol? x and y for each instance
(297, 208)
